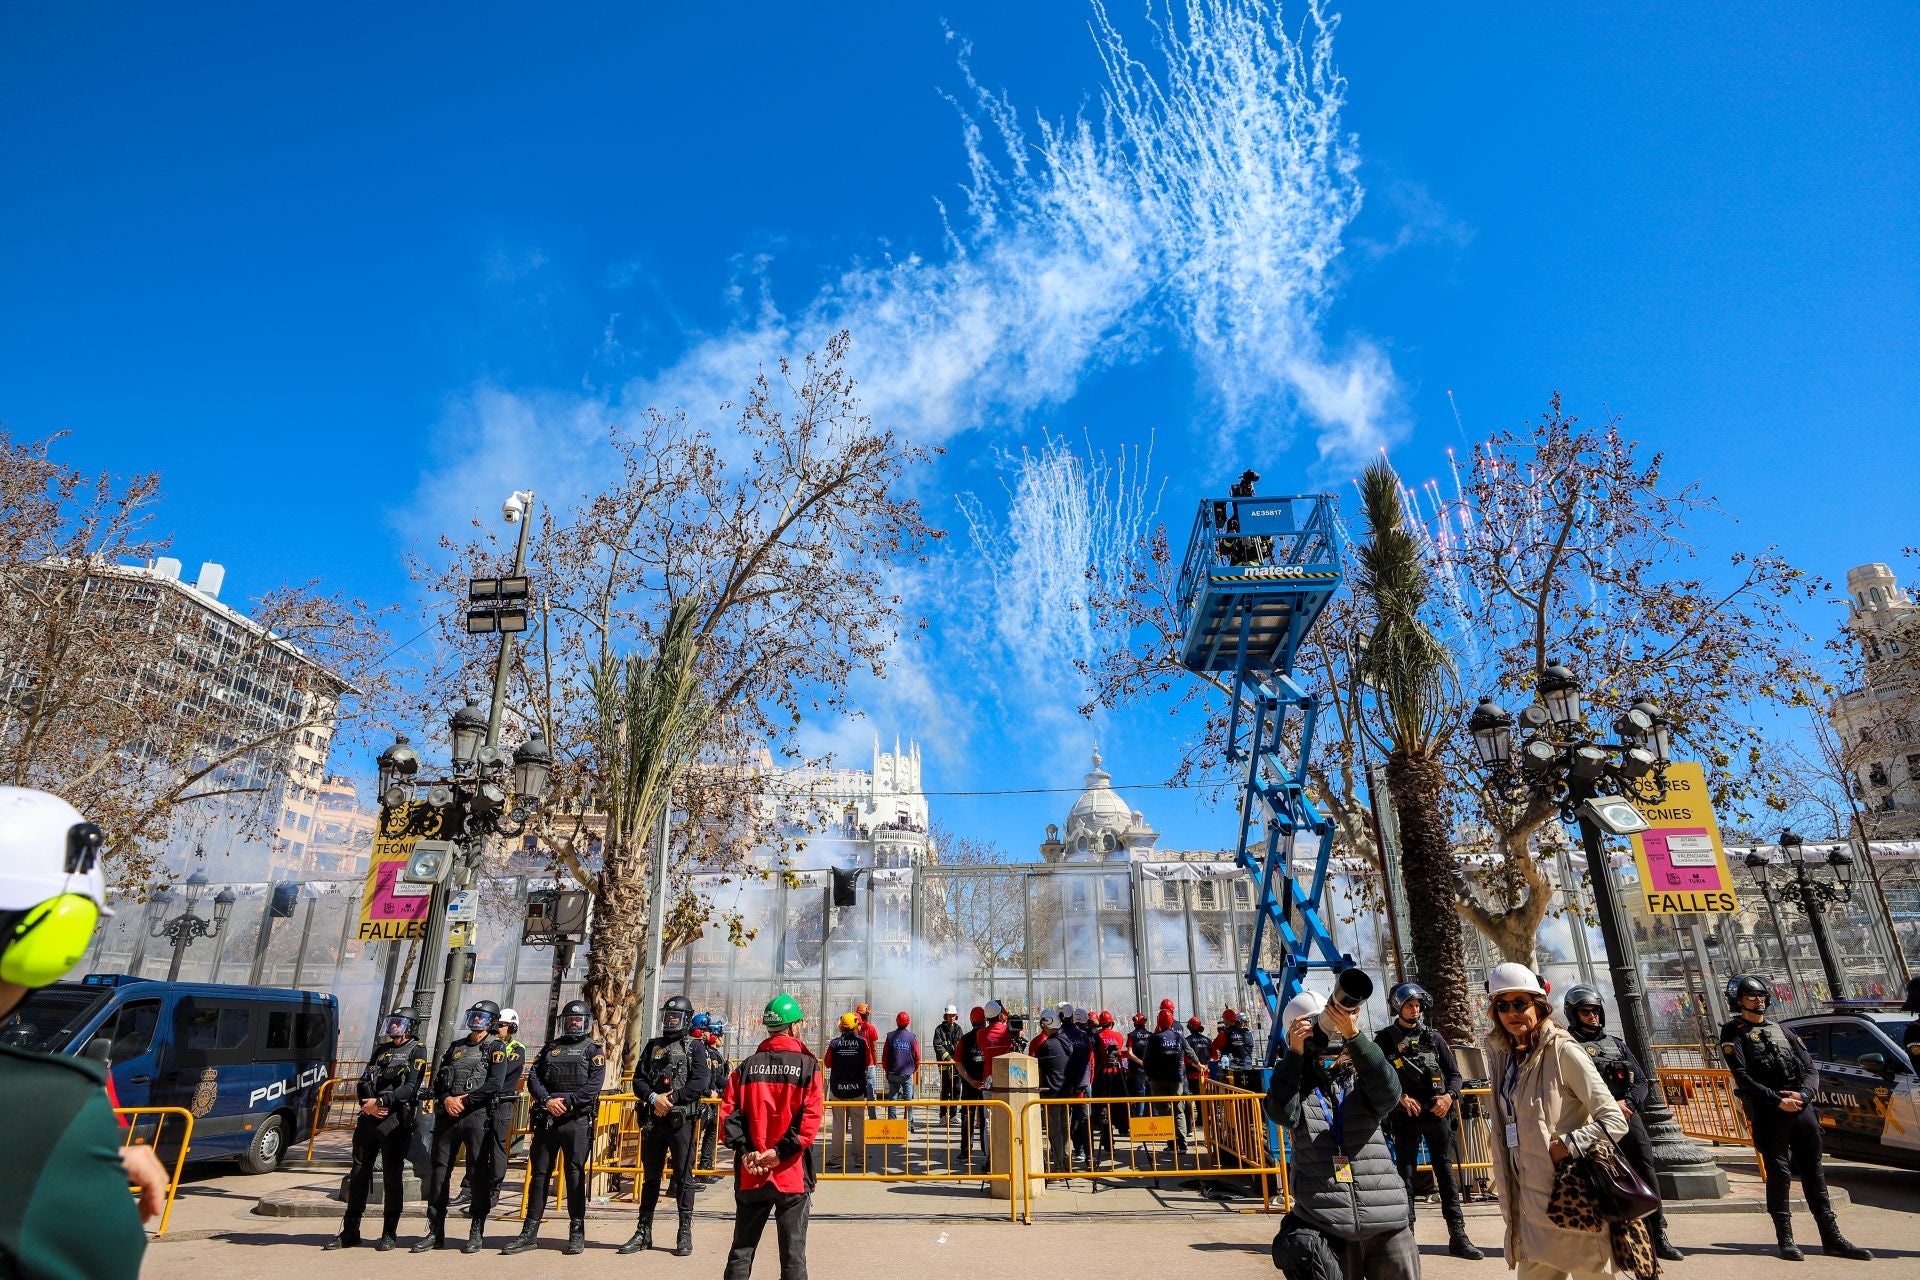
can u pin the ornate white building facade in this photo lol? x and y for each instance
(1878, 722)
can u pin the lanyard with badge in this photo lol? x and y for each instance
(1506, 1096)
(1342, 1166)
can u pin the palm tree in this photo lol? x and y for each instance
(1411, 674)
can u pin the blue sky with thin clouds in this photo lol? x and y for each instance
(345, 275)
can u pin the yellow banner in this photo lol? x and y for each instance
(879, 1132)
(391, 910)
(1682, 864)
(1151, 1128)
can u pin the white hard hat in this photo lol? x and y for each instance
(993, 1009)
(46, 849)
(1307, 1004)
(1065, 1006)
(1513, 977)
(510, 1015)
(1079, 1016)
(953, 1009)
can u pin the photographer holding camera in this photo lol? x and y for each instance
(1332, 1090)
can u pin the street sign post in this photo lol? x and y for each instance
(1682, 863)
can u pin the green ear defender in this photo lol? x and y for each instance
(48, 940)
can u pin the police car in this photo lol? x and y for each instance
(1869, 1097)
(247, 1063)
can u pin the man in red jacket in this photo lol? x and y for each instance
(770, 1114)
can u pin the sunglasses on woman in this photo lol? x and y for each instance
(1511, 1006)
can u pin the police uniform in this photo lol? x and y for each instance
(1629, 1083)
(718, 1071)
(393, 1078)
(1768, 1061)
(473, 1070)
(1424, 1061)
(676, 1067)
(574, 1070)
(505, 1107)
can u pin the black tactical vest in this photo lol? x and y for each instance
(1610, 1060)
(389, 1065)
(1771, 1060)
(567, 1066)
(666, 1064)
(467, 1065)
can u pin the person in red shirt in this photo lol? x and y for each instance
(869, 1033)
(1109, 1081)
(771, 1114)
(996, 1041)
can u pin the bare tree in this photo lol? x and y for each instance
(720, 588)
(1570, 546)
(144, 702)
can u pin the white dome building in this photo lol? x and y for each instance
(1100, 826)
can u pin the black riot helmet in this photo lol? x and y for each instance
(1582, 996)
(676, 1017)
(483, 1015)
(399, 1024)
(1746, 984)
(575, 1019)
(1398, 997)
(1913, 997)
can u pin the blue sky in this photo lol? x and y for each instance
(345, 276)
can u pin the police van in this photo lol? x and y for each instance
(1869, 1099)
(247, 1062)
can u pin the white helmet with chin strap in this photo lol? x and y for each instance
(1514, 977)
(1308, 1004)
(52, 890)
(510, 1016)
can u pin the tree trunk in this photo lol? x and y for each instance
(1417, 786)
(619, 928)
(1516, 931)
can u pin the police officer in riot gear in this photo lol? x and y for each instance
(1429, 1092)
(718, 1070)
(506, 1105)
(1910, 1040)
(470, 1076)
(1629, 1083)
(670, 1078)
(389, 1093)
(1777, 1082)
(565, 1085)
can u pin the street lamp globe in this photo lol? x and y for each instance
(1790, 843)
(1757, 867)
(397, 762)
(196, 885)
(223, 905)
(469, 725)
(1843, 868)
(532, 768)
(1659, 739)
(1559, 688)
(1492, 729)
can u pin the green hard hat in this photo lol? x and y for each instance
(782, 1011)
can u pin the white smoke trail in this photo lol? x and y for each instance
(1211, 199)
(1073, 528)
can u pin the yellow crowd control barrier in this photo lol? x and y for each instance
(132, 1136)
(1216, 1133)
(336, 1106)
(615, 1150)
(1704, 1103)
(925, 1140)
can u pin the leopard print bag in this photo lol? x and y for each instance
(1572, 1206)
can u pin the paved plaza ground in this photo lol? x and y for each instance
(867, 1230)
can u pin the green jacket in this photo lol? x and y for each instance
(65, 1211)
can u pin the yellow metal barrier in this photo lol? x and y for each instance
(1704, 1103)
(324, 1116)
(130, 1137)
(925, 1140)
(1208, 1133)
(615, 1149)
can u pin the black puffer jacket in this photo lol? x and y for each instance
(1299, 1098)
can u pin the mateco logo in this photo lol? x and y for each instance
(281, 1088)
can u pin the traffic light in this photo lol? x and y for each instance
(284, 896)
(843, 883)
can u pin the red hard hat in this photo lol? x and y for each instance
(1166, 1004)
(977, 1014)
(901, 1019)
(1194, 1024)
(1140, 1018)
(1229, 1017)
(1106, 1019)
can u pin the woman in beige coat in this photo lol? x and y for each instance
(1549, 1104)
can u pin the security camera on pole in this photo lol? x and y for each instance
(1594, 784)
(487, 791)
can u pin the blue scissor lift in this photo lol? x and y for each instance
(1258, 572)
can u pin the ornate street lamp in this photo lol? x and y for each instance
(183, 930)
(1590, 782)
(1796, 881)
(469, 726)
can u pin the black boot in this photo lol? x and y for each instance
(1783, 1235)
(1457, 1243)
(642, 1237)
(429, 1242)
(683, 1247)
(576, 1236)
(529, 1238)
(465, 1195)
(1835, 1245)
(345, 1240)
(476, 1237)
(1663, 1248)
(386, 1242)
